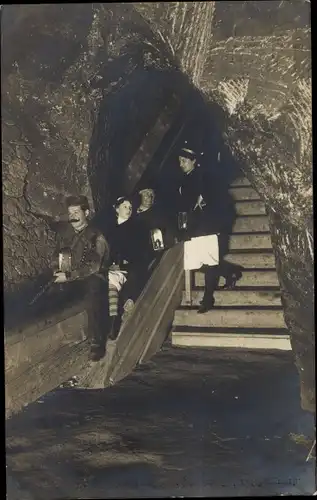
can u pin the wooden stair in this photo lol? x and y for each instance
(251, 315)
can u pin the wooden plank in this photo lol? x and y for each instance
(244, 193)
(31, 348)
(151, 143)
(68, 332)
(145, 311)
(164, 326)
(246, 207)
(250, 223)
(239, 297)
(144, 317)
(188, 291)
(256, 277)
(162, 312)
(32, 326)
(250, 241)
(42, 377)
(249, 260)
(247, 317)
(232, 340)
(98, 375)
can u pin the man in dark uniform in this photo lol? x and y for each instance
(208, 210)
(89, 262)
(152, 214)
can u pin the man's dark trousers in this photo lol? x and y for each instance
(97, 307)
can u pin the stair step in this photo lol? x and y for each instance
(257, 277)
(238, 297)
(241, 181)
(255, 223)
(250, 207)
(244, 193)
(246, 317)
(243, 339)
(252, 259)
(248, 241)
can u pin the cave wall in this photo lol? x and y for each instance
(73, 89)
(267, 122)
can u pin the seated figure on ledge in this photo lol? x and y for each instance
(117, 226)
(87, 253)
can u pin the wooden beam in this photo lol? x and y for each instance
(151, 142)
(41, 360)
(146, 328)
(42, 377)
(156, 310)
(188, 290)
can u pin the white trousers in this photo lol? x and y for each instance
(117, 279)
(203, 250)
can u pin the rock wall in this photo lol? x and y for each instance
(267, 123)
(74, 87)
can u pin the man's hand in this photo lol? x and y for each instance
(200, 202)
(60, 277)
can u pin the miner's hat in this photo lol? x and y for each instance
(190, 150)
(80, 201)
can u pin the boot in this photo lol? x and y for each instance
(211, 282)
(232, 280)
(113, 328)
(97, 351)
(206, 305)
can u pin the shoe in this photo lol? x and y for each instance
(206, 306)
(127, 310)
(128, 305)
(232, 280)
(97, 352)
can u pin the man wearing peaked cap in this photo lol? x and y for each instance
(89, 251)
(208, 210)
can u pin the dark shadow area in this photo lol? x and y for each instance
(174, 424)
(19, 314)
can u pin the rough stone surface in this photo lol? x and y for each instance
(80, 79)
(266, 99)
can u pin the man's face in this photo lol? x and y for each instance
(147, 197)
(186, 164)
(77, 217)
(124, 210)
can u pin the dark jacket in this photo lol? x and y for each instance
(86, 258)
(127, 240)
(217, 214)
(157, 217)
